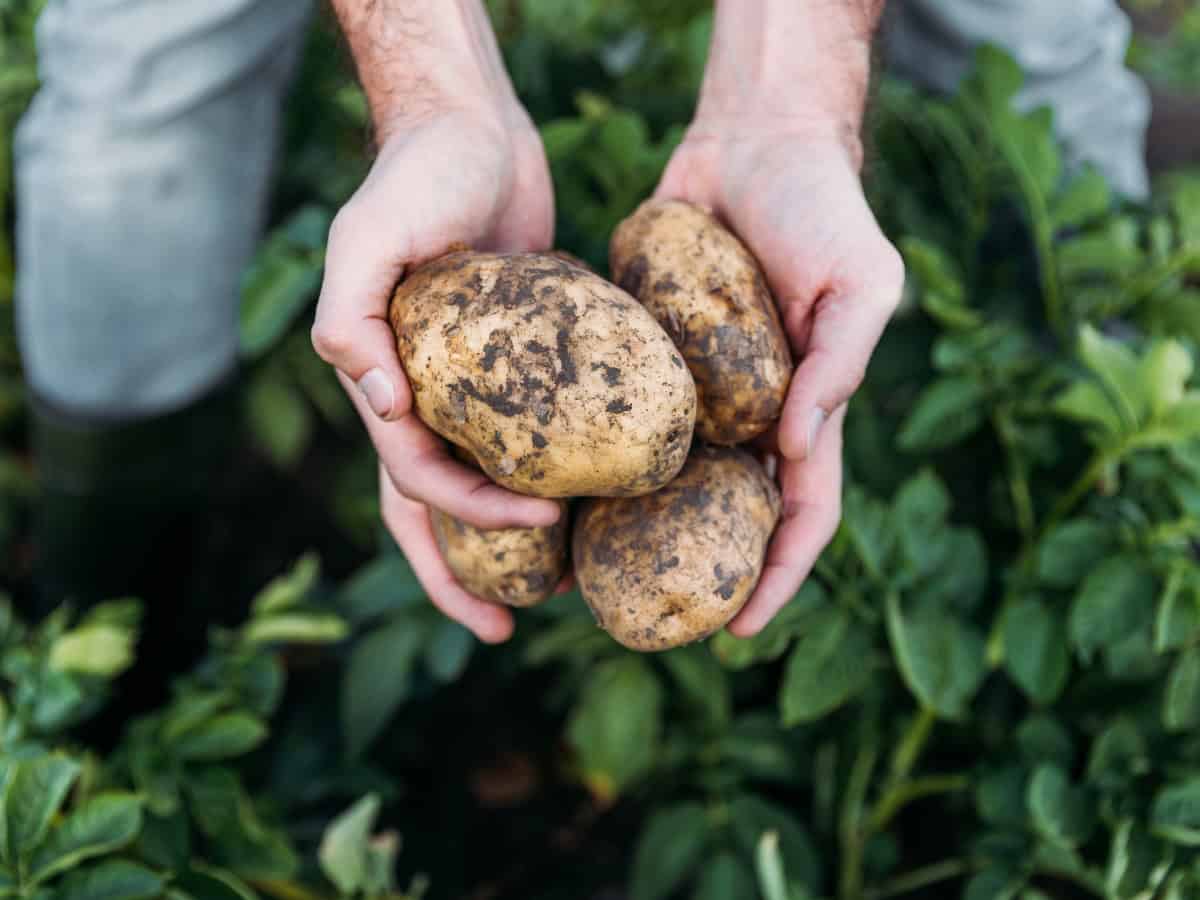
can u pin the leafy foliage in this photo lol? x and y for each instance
(1002, 639)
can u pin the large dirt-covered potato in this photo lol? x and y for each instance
(559, 383)
(672, 567)
(703, 286)
(513, 566)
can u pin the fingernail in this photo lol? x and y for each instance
(771, 465)
(815, 420)
(380, 394)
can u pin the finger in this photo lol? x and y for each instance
(812, 491)
(408, 521)
(419, 466)
(846, 324)
(351, 331)
(565, 585)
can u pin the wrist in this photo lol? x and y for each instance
(789, 67)
(427, 58)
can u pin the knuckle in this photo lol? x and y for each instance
(891, 275)
(330, 342)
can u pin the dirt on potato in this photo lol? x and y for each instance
(558, 383)
(672, 567)
(705, 288)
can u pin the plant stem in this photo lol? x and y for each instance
(919, 878)
(1018, 483)
(905, 792)
(894, 795)
(1076, 492)
(850, 827)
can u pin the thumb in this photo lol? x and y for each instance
(352, 331)
(847, 322)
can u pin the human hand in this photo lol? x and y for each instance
(464, 176)
(792, 193)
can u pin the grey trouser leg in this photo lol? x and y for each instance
(142, 171)
(1073, 55)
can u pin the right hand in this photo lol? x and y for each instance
(459, 176)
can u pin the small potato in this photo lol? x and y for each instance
(513, 566)
(559, 383)
(703, 286)
(674, 566)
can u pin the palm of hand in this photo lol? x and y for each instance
(797, 203)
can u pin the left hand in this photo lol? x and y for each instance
(793, 195)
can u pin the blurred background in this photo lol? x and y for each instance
(885, 762)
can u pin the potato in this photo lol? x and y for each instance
(709, 293)
(559, 383)
(513, 566)
(674, 566)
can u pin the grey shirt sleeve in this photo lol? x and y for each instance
(1074, 58)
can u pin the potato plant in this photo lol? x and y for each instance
(990, 688)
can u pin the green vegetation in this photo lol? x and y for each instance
(990, 689)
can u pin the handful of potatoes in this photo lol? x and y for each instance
(560, 384)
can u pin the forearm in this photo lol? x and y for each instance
(798, 64)
(418, 57)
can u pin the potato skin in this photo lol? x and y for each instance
(708, 292)
(674, 566)
(512, 566)
(559, 383)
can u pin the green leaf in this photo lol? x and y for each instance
(1165, 371)
(770, 643)
(1115, 366)
(725, 877)
(278, 287)
(668, 851)
(165, 841)
(222, 737)
(994, 883)
(867, 524)
(279, 418)
(99, 649)
(1181, 704)
(943, 294)
(105, 823)
(448, 651)
(1118, 755)
(385, 585)
(946, 412)
(344, 845)
(1175, 812)
(115, 879)
(1110, 249)
(1132, 859)
(940, 658)
(1085, 402)
(203, 882)
(377, 680)
(701, 682)
(295, 627)
(1060, 812)
(1084, 199)
(33, 793)
(752, 817)
(1042, 738)
(614, 729)
(1072, 549)
(995, 78)
(290, 589)
(1177, 623)
(828, 666)
(999, 796)
(1035, 650)
(1116, 599)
